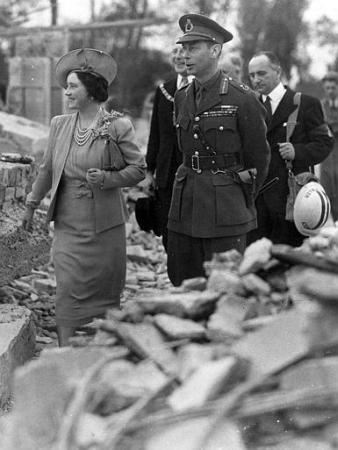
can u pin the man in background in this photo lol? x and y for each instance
(329, 167)
(311, 142)
(232, 66)
(163, 156)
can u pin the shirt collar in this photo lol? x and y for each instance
(179, 79)
(209, 83)
(276, 94)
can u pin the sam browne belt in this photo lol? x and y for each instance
(218, 161)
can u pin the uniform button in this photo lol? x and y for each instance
(197, 118)
(221, 128)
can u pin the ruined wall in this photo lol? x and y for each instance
(19, 251)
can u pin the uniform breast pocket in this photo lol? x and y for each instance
(182, 125)
(230, 206)
(177, 195)
(221, 131)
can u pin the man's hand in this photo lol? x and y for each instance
(287, 150)
(27, 221)
(95, 176)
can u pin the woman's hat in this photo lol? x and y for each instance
(88, 60)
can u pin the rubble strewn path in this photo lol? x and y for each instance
(246, 358)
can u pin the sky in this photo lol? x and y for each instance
(80, 11)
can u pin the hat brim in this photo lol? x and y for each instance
(107, 68)
(195, 37)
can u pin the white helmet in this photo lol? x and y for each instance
(311, 209)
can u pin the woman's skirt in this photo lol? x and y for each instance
(90, 267)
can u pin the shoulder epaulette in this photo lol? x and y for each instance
(240, 86)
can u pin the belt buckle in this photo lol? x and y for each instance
(195, 163)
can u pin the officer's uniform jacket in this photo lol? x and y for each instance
(163, 155)
(211, 203)
(312, 141)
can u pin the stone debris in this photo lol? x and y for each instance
(244, 358)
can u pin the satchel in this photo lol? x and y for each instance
(295, 182)
(148, 214)
(113, 157)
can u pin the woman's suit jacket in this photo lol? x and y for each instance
(110, 209)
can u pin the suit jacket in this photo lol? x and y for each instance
(163, 155)
(312, 141)
(110, 209)
(210, 204)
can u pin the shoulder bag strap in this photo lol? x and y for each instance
(291, 124)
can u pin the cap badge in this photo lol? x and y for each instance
(188, 26)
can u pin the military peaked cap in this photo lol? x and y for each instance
(197, 27)
(89, 60)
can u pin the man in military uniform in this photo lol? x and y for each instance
(163, 156)
(329, 167)
(221, 133)
(310, 143)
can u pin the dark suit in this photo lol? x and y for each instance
(209, 210)
(163, 156)
(312, 143)
(329, 167)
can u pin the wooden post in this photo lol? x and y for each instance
(47, 88)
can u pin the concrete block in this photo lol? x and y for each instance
(45, 285)
(177, 328)
(206, 383)
(17, 344)
(314, 373)
(276, 345)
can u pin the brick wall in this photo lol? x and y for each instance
(15, 182)
(20, 251)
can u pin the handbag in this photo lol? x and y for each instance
(148, 213)
(113, 157)
(295, 182)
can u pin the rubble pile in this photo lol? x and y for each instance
(146, 268)
(245, 358)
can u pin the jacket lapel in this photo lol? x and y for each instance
(284, 109)
(66, 138)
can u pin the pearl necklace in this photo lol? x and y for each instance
(82, 135)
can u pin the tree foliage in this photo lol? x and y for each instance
(274, 25)
(16, 11)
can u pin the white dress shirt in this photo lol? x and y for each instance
(276, 96)
(179, 80)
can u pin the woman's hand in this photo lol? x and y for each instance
(27, 221)
(95, 176)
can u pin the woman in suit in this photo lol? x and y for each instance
(87, 207)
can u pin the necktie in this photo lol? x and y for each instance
(184, 82)
(268, 108)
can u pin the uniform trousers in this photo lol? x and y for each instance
(272, 225)
(164, 196)
(186, 254)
